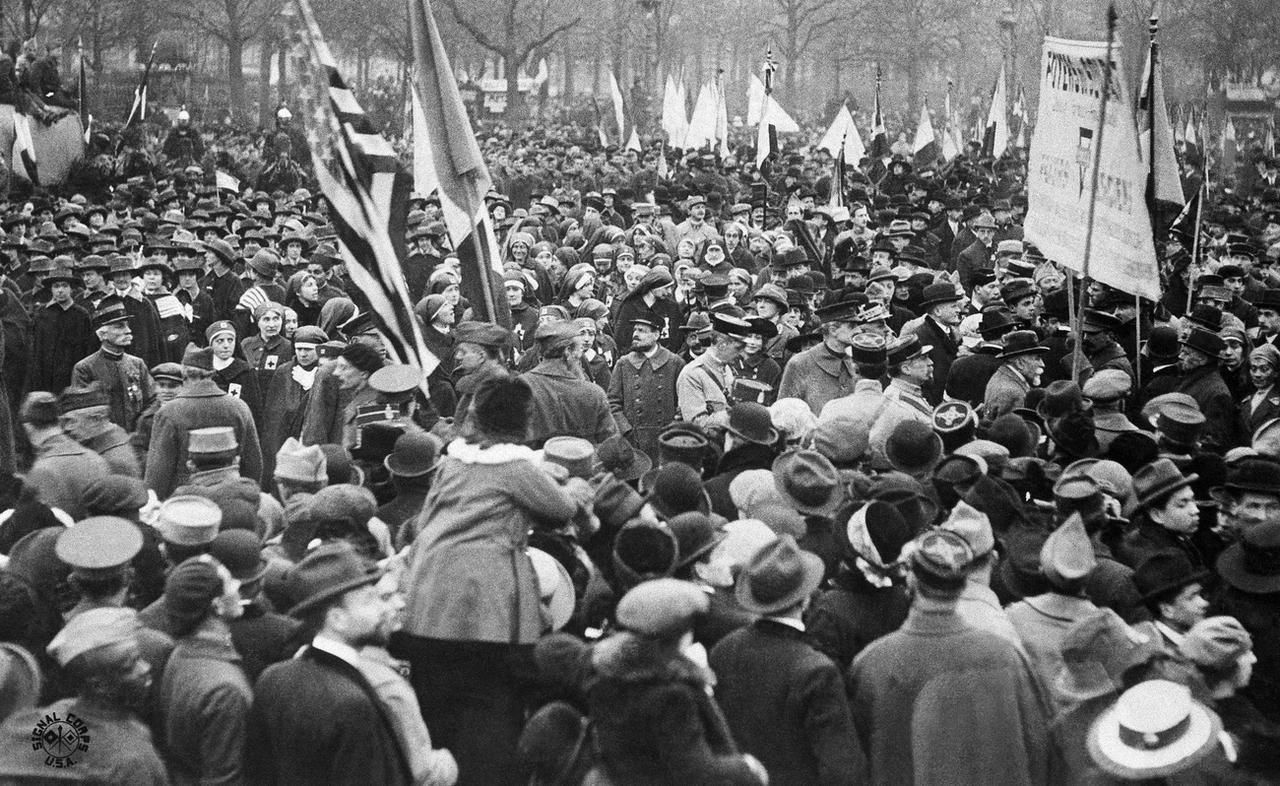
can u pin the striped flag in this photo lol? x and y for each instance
(447, 160)
(139, 109)
(925, 148)
(367, 192)
(879, 136)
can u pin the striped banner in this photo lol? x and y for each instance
(367, 191)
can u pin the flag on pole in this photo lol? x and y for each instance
(619, 113)
(950, 144)
(1229, 148)
(663, 174)
(1186, 220)
(925, 147)
(1021, 118)
(633, 141)
(447, 160)
(24, 150)
(139, 109)
(879, 137)
(767, 132)
(1156, 141)
(995, 137)
(83, 87)
(702, 124)
(1190, 134)
(225, 181)
(842, 138)
(367, 192)
(675, 116)
(722, 116)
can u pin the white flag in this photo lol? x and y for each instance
(619, 115)
(843, 136)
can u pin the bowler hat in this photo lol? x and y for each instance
(1021, 342)
(1253, 563)
(940, 293)
(1094, 321)
(995, 322)
(415, 454)
(1260, 475)
(913, 447)
(1165, 571)
(1061, 398)
(240, 551)
(1203, 341)
(779, 576)
(1159, 478)
(752, 422)
(677, 488)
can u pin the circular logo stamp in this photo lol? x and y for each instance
(60, 738)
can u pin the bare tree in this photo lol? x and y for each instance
(798, 27)
(234, 23)
(513, 30)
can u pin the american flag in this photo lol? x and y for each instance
(367, 191)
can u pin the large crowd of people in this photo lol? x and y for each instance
(793, 477)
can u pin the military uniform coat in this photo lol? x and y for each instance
(817, 376)
(703, 387)
(125, 380)
(565, 404)
(62, 473)
(199, 404)
(642, 396)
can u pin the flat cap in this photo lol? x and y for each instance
(662, 608)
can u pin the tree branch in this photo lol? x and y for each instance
(475, 32)
(542, 41)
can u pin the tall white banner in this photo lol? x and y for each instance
(1060, 175)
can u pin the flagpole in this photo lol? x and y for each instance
(1077, 355)
(1153, 25)
(1195, 239)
